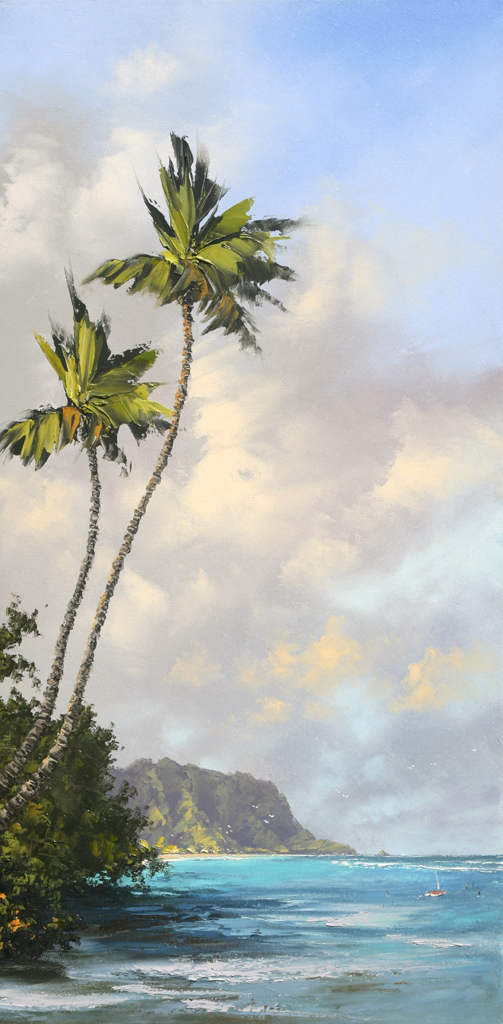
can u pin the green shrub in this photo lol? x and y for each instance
(78, 834)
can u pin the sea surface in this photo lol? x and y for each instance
(329, 939)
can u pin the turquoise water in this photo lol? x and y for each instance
(298, 938)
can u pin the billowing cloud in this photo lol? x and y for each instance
(138, 611)
(319, 556)
(442, 453)
(37, 194)
(195, 669)
(372, 262)
(36, 509)
(440, 679)
(323, 549)
(272, 710)
(317, 668)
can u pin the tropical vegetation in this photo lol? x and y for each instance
(103, 392)
(212, 260)
(77, 836)
(217, 261)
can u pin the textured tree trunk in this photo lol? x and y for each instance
(15, 806)
(11, 771)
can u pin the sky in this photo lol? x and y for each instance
(314, 595)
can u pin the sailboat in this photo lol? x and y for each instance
(438, 891)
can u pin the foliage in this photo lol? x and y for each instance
(19, 624)
(78, 833)
(210, 258)
(198, 810)
(102, 390)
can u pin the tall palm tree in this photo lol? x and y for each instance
(102, 392)
(214, 261)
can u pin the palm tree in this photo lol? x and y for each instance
(210, 260)
(103, 392)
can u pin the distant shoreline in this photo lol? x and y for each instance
(256, 856)
(331, 856)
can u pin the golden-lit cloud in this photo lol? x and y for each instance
(441, 453)
(332, 658)
(195, 669)
(272, 710)
(319, 667)
(440, 679)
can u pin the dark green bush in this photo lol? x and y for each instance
(78, 834)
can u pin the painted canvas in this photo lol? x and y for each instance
(250, 651)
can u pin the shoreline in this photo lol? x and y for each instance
(244, 856)
(331, 856)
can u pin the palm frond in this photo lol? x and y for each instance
(34, 437)
(111, 451)
(229, 223)
(273, 224)
(118, 272)
(122, 376)
(135, 408)
(163, 228)
(103, 392)
(207, 192)
(252, 293)
(183, 159)
(79, 309)
(262, 271)
(208, 257)
(225, 312)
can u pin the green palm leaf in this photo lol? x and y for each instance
(119, 378)
(102, 390)
(207, 257)
(34, 437)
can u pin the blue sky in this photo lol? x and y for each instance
(353, 83)
(330, 525)
(397, 104)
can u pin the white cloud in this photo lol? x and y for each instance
(195, 668)
(145, 71)
(38, 510)
(441, 453)
(138, 611)
(318, 557)
(37, 195)
(369, 262)
(271, 710)
(299, 476)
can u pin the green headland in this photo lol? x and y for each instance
(198, 811)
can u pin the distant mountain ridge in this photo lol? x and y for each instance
(197, 810)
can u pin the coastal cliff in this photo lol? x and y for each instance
(196, 810)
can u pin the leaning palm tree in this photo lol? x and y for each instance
(215, 261)
(102, 393)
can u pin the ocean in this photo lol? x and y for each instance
(343, 940)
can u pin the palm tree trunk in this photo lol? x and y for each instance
(15, 806)
(11, 771)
